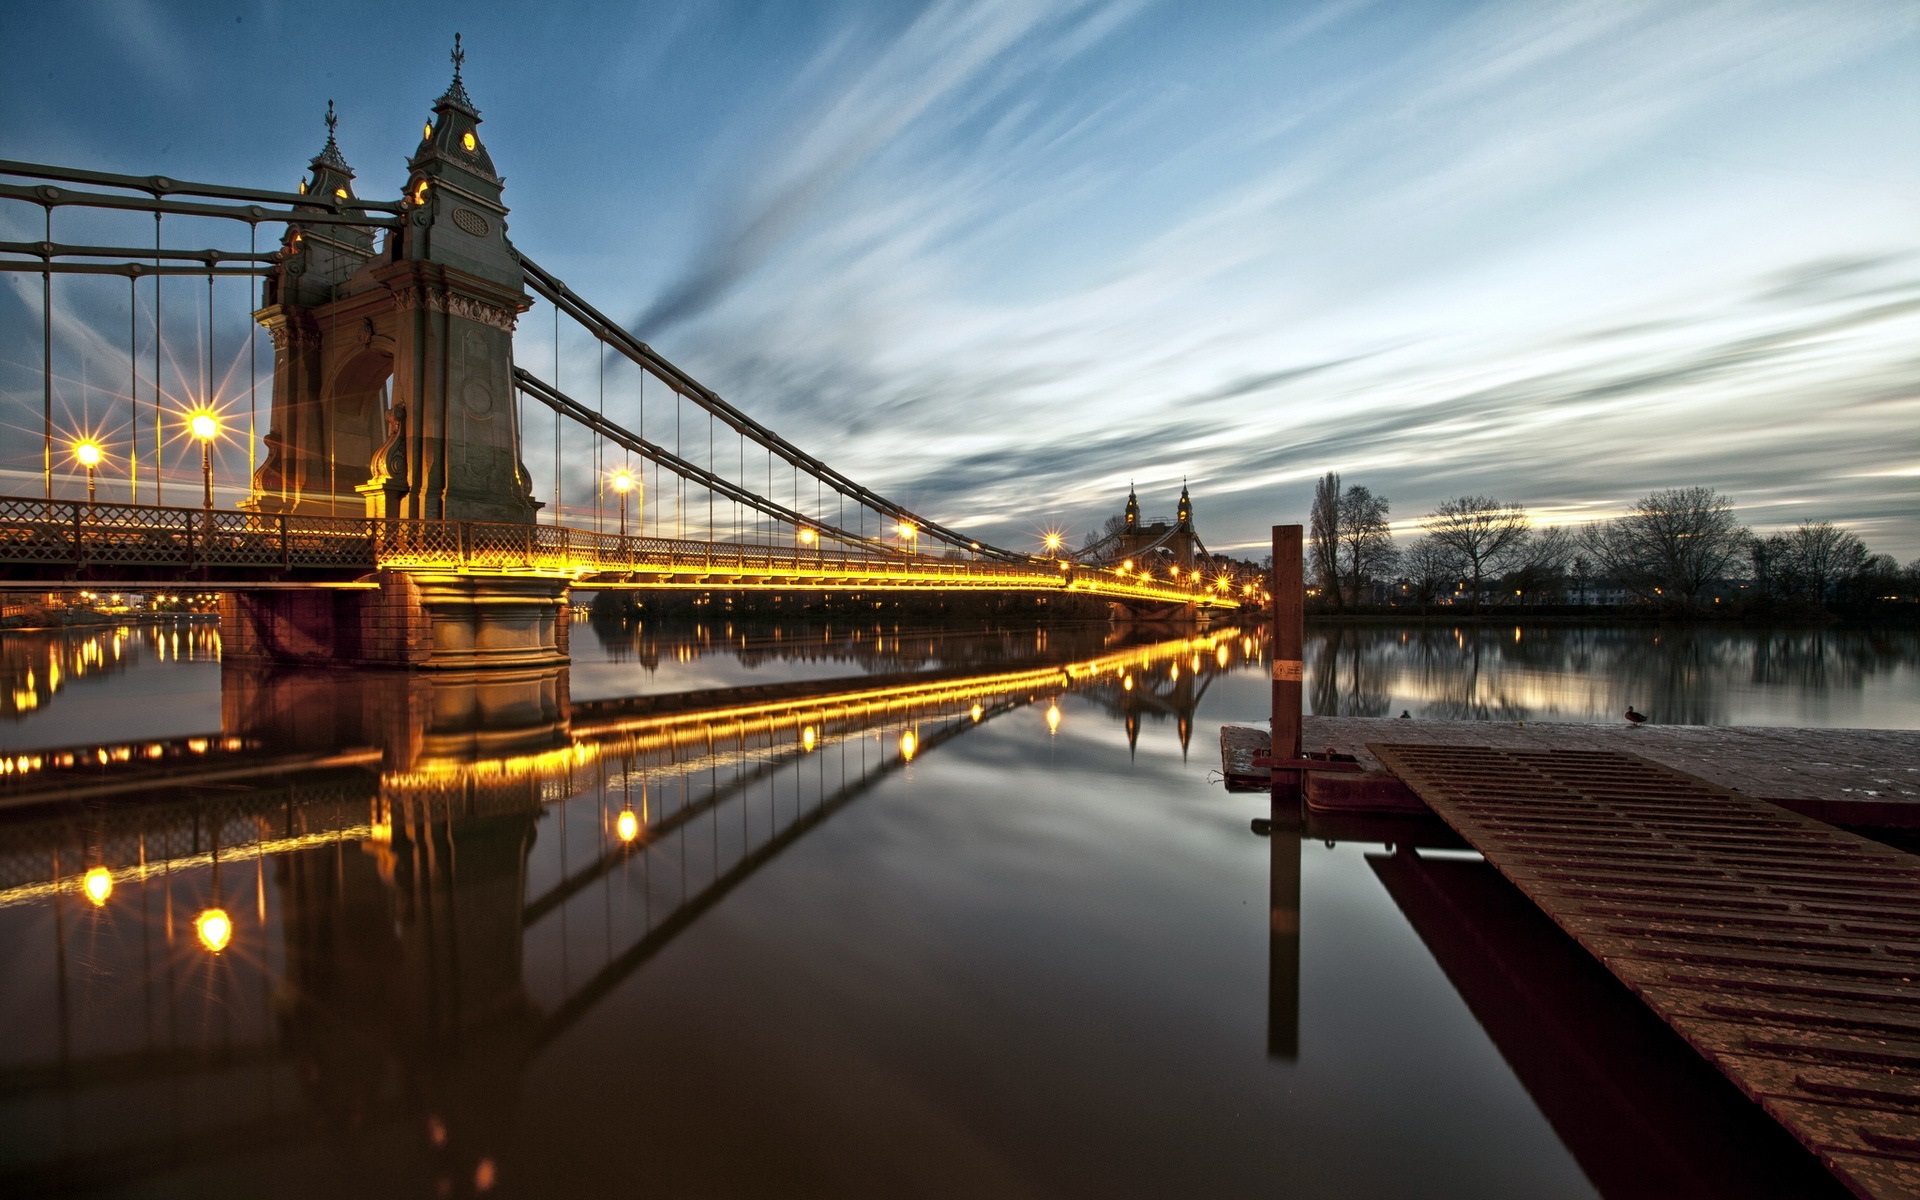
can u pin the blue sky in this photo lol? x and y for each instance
(1000, 260)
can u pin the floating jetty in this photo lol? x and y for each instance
(1785, 950)
(1706, 868)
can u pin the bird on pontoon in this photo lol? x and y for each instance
(1634, 718)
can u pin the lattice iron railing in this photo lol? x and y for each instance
(80, 536)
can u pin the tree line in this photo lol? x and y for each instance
(1682, 550)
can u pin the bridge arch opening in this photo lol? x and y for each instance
(359, 398)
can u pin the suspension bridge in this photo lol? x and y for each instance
(388, 515)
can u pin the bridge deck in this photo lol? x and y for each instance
(1787, 952)
(66, 540)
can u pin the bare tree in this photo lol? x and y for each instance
(1671, 545)
(1579, 574)
(1114, 525)
(1323, 536)
(1429, 568)
(1365, 542)
(1541, 566)
(1819, 556)
(1484, 535)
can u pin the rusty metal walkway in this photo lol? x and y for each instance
(1787, 952)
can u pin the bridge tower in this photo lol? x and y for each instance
(393, 398)
(393, 365)
(1138, 536)
(1184, 537)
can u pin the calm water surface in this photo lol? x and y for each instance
(891, 912)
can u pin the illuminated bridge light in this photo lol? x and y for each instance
(99, 885)
(807, 738)
(1053, 718)
(214, 929)
(976, 712)
(626, 825)
(909, 742)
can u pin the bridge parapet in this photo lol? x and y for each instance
(44, 540)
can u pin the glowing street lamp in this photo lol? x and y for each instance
(98, 883)
(88, 453)
(807, 536)
(908, 534)
(1053, 542)
(623, 483)
(626, 825)
(204, 425)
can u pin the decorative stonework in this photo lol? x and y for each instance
(470, 221)
(466, 307)
(293, 336)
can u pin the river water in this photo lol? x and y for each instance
(826, 911)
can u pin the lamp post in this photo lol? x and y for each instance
(623, 483)
(88, 454)
(909, 533)
(205, 426)
(1053, 544)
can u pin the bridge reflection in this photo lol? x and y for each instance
(425, 880)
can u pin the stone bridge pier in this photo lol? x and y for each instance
(404, 619)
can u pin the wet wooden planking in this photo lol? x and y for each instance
(1782, 949)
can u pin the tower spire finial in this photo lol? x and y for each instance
(330, 153)
(457, 90)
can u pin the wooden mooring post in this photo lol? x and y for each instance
(1287, 647)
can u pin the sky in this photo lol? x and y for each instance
(999, 261)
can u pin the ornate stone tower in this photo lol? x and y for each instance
(1133, 510)
(329, 389)
(393, 371)
(1183, 542)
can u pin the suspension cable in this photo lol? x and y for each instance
(532, 385)
(133, 389)
(46, 360)
(557, 292)
(253, 358)
(159, 445)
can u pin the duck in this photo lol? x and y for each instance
(1634, 718)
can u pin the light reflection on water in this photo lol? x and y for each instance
(968, 919)
(1822, 677)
